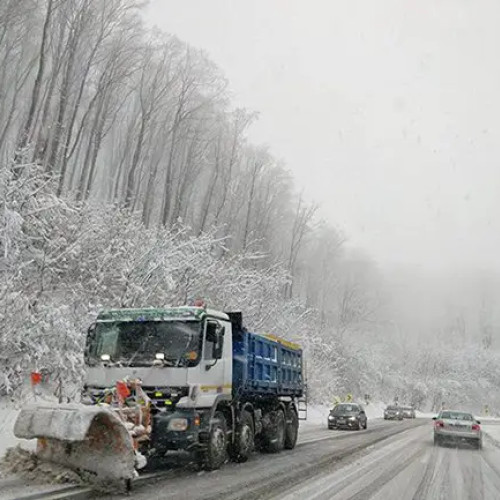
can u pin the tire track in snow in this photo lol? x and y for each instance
(268, 477)
(460, 473)
(367, 474)
(426, 482)
(382, 480)
(490, 473)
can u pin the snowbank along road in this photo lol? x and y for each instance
(390, 460)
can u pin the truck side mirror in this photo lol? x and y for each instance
(218, 350)
(90, 336)
(219, 343)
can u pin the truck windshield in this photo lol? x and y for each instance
(131, 343)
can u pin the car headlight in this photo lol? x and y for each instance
(330, 417)
(178, 424)
(352, 418)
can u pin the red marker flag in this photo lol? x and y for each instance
(122, 390)
(36, 378)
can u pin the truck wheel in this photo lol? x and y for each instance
(215, 455)
(244, 438)
(292, 429)
(274, 434)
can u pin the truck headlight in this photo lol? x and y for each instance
(178, 424)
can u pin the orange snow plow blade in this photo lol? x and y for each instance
(83, 438)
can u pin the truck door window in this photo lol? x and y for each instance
(213, 340)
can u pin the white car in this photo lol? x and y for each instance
(457, 426)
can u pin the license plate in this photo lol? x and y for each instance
(457, 427)
(341, 421)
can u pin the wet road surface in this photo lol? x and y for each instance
(389, 460)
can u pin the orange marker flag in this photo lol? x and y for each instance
(122, 390)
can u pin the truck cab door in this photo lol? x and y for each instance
(212, 368)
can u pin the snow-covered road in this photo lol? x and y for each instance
(390, 460)
(408, 466)
(267, 476)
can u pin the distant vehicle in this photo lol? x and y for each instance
(457, 426)
(393, 413)
(408, 412)
(347, 416)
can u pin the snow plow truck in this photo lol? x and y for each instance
(183, 378)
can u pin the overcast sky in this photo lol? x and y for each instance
(387, 112)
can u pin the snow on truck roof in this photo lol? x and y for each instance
(159, 313)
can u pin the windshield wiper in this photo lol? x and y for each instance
(151, 362)
(129, 362)
(164, 362)
(108, 362)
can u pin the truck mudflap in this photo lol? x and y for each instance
(84, 438)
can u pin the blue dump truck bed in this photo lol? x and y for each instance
(265, 365)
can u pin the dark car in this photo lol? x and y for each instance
(393, 413)
(409, 412)
(347, 416)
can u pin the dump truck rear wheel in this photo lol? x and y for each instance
(216, 453)
(274, 434)
(244, 438)
(292, 429)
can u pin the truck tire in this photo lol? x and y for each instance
(292, 429)
(216, 452)
(244, 439)
(274, 432)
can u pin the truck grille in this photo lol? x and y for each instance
(165, 397)
(161, 397)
